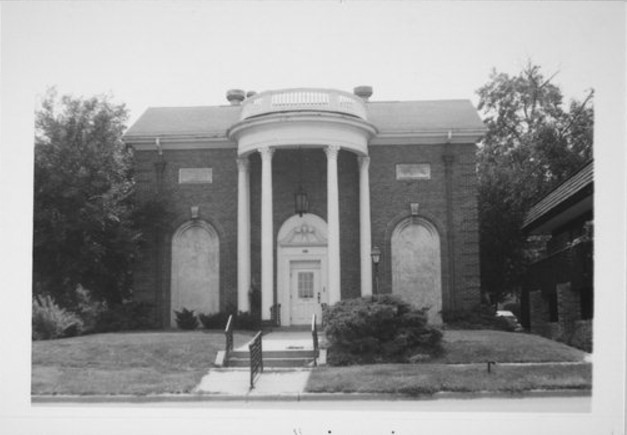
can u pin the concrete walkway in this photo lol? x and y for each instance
(236, 382)
(274, 382)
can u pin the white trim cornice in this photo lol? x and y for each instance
(434, 137)
(235, 131)
(179, 143)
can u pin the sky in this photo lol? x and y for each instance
(189, 53)
(162, 53)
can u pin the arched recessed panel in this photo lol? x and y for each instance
(195, 269)
(416, 271)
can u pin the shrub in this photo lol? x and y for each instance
(186, 319)
(214, 321)
(52, 321)
(380, 328)
(241, 320)
(127, 316)
(254, 298)
(247, 321)
(482, 316)
(89, 309)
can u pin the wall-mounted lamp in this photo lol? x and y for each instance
(375, 254)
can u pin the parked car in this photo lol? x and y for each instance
(511, 320)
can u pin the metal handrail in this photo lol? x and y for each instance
(314, 334)
(228, 332)
(255, 350)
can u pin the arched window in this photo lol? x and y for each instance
(195, 283)
(416, 270)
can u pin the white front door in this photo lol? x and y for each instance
(306, 291)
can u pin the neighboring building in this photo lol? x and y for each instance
(279, 198)
(557, 301)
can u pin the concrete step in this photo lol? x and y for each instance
(271, 362)
(287, 353)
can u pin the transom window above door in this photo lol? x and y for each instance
(305, 285)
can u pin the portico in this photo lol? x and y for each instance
(300, 118)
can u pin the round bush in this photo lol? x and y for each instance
(186, 319)
(376, 329)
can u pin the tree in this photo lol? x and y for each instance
(83, 232)
(532, 144)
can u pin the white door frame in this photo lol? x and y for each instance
(300, 239)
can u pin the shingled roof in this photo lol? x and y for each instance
(387, 116)
(568, 195)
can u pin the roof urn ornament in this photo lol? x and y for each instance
(363, 92)
(235, 96)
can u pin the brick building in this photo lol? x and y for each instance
(557, 301)
(278, 200)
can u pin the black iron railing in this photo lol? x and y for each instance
(256, 358)
(228, 333)
(314, 334)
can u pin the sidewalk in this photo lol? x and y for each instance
(272, 382)
(236, 382)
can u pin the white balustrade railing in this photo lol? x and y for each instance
(327, 100)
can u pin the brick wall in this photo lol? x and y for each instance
(390, 201)
(391, 198)
(582, 335)
(540, 317)
(217, 204)
(564, 279)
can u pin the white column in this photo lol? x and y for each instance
(333, 225)
(267, 245)
(364, 226)
(243, 234)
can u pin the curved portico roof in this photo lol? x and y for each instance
(389, 118)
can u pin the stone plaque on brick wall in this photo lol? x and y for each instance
(413, 171)
(195, 176)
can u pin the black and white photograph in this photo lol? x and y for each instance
(297, 217)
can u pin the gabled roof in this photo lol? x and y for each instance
(386, 116)
(164, 121)
(570, 199)
(394, 116)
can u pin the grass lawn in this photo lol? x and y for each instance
(174, 362)
(451, 372)
(415, 379)
(485, 345)
(126, 363)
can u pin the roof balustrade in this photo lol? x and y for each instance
(303, 99)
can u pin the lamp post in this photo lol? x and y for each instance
(376, 257)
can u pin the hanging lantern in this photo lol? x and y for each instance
(301, 202)
(376, 255)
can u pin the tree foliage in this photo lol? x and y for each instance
(83, 232)
(533, 142)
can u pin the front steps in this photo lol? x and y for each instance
(289, 358)
(282, 348)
